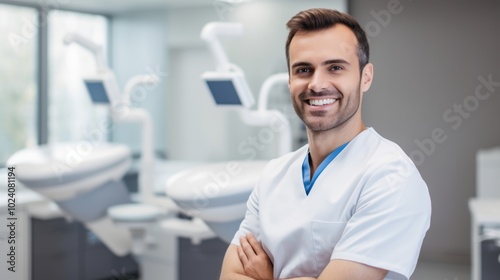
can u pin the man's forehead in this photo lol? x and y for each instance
(337, 29)
(338, 37)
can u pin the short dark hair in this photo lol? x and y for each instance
(318, 19)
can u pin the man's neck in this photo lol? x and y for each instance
(323, 143)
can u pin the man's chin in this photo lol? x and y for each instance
(318, 127)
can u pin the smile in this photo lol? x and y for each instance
(321, 102)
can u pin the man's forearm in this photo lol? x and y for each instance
(235, 276)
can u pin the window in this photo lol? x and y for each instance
(33, 82)
(18, 79)
(71, 113)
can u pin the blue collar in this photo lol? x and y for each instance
(306, 168)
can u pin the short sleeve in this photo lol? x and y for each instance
(389, 221)
(250, 223)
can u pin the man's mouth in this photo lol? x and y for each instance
(321, 102)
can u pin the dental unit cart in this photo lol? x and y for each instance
(485, 213)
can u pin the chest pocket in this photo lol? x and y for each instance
(325, 236)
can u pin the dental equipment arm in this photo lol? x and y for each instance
(104, 88)
(95, 49)
(139, 80)
(120, 107)
(273, 118)
(212, 32)
(104, 82)
(139, 115)
(227, 84)
(265, 89)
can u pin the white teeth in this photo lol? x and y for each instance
(319, 102)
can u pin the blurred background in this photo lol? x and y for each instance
(435, 92)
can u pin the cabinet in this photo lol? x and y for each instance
(67, 250)
(485, 233)
(490, 263)
(206, 257)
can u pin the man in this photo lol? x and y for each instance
(350, 205)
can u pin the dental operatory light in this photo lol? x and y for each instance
(227, 84)
(229, 88)
(101, 89)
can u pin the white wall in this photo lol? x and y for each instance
(197, 130)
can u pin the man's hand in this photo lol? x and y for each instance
(256, 263)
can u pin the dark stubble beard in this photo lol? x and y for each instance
(348, 106)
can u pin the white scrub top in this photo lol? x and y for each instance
(369, 205)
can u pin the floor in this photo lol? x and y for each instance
(441, 271)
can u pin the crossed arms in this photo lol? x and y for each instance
(250, 262)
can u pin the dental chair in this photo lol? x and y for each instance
(75, 174)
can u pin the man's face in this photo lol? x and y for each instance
(325, 81)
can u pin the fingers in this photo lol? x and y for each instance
(250, 248)
(257, 247)
(247, 247)
(256, 263)
(245, 251)
(243, 257)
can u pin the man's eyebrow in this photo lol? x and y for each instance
(300, 63)
(336, 61)
(327, 62)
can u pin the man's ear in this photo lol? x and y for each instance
(366, 77)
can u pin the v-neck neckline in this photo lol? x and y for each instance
(308, 182)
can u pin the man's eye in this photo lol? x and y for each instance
(337, 68)
(303, 70)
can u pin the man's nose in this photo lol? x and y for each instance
(319, 82)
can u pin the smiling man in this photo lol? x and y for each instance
(349, 205)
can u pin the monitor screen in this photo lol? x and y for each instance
(224, 92)
(97, 91)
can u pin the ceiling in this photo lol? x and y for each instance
(120, 6)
